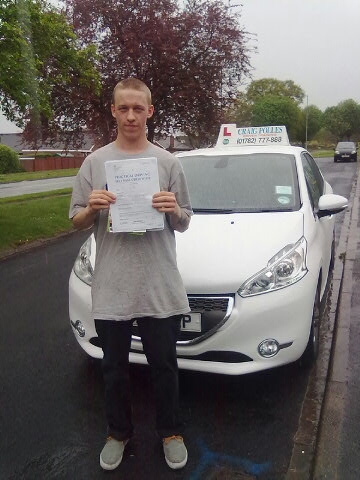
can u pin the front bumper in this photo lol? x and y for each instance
(284, 315)
(345, 157)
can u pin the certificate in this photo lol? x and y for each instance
(134, 182)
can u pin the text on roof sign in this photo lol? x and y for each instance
(232, 136)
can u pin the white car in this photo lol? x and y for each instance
(255, 260)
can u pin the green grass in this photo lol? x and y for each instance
(27, 218)
(322, 153)
(40, 175)
(70, 172)
(34, 196)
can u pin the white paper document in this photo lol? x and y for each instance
(134, 183)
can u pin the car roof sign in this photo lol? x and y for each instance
(232, 136)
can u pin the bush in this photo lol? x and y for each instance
(9, 160)
(313, 145)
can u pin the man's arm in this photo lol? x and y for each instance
(165, 202)
(98, 200)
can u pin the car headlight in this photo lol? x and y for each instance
(82, 266)
(353, 152)
(337, 152)
(288, 266)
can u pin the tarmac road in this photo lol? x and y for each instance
(327, 442)
(35, 186)
(52, 408)
(52, 418)
(337, 455)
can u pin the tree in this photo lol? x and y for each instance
(191, 58)
(350, 113)
(240, 112)
(312, 119)
(333, 121)
(249, 106)
(270, 86)
(275, 110)
(46, 80)
(343, 120)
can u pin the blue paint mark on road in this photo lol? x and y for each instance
(209, 459)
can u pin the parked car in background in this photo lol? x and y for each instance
(255, 260)
(345, 151)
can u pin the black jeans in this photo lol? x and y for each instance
(158, 337)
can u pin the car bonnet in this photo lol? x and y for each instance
(219, 252)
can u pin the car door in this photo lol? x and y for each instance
(322, 237)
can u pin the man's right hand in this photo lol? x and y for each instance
(98, 200)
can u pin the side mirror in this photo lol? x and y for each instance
(330, 204)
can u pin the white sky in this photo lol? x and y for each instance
(315, 43)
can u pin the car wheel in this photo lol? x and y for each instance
(311, 352)
(335, 160)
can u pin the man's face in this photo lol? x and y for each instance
(131, 111)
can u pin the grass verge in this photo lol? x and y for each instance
(40, 175)
(322, 153)
(27, 218)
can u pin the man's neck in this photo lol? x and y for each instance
(132, 147)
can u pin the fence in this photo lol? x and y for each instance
(34, 164)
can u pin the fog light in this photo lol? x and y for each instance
(79, 327)
(268, 348)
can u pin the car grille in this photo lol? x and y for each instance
(214, 310)
(208, 304)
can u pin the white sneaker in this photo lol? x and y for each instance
(112, 453)
(175, 451)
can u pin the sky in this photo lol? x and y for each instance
(314, 43)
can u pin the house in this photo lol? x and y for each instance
(53, 156)
(17, 143)
(49, 156)
(172, 143)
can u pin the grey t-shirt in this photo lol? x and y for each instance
(135, 275)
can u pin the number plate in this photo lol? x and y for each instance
(191, 322)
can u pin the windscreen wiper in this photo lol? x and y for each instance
(268, 210)
(213, 210)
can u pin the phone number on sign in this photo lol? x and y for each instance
(259, 140)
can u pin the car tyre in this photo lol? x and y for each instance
(311, 351)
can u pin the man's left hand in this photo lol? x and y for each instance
(165, 202)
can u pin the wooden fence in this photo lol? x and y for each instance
(51, 163)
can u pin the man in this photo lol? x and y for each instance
(136, 277)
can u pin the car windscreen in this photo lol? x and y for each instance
(345, 145)
(257, 182)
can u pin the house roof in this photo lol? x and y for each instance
(17, 143)
(12, 140)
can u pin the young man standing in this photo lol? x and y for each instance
(136, 277)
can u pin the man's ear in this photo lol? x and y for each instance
(150, 111)
(113, 110)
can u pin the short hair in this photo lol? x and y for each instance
(133, 84)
